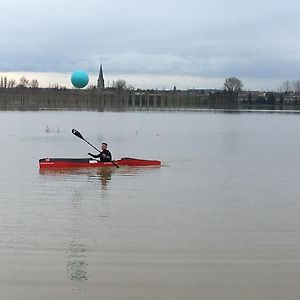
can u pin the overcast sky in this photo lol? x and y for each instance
(151, 43)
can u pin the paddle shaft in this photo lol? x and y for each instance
(78, 134)
(91, 145)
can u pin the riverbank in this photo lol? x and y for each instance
(93, 99)
(119, 100)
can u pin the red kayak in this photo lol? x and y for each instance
(93, 163)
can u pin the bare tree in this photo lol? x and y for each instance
(24, 82)
(232, 87)
(34, 83)
(5, 82)
(11, 83)
(296, 86)
(130, 87)
(233, 84)
(119, 84)
(286, 86)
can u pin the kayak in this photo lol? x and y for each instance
(93, 163)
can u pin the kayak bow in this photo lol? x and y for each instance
(93, 163)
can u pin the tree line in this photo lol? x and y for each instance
(290, 86)
(232, 85)
(23, 82)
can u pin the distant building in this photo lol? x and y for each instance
(100, 82)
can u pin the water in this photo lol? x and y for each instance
(219, 219)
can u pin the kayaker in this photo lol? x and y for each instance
(104, 155)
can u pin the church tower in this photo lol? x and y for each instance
(100, 82)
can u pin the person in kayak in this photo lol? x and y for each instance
(104, 155)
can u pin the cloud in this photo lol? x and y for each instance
(214, 39)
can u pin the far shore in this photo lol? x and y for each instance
(124, 99)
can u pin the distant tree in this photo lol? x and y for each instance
(34, 83)
(53, 86)
(270, 98)
(11, 83)
(5, 82)
(296, 86)
(130, 87)
(119, 84)
(1, 82)
(280, 89)
(233, 84)
(232, 87)
(24, 82)
(286, 86)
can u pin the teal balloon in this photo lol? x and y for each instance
(80, 79)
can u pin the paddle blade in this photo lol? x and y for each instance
(77, 133)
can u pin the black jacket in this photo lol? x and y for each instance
(104, 155)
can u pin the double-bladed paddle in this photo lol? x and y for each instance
(79, 135)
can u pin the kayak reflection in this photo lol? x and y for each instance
(104, 175)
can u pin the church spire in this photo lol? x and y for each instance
(100, 82)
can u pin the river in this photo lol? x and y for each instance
(218, 220)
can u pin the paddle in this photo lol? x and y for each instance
(79, 135)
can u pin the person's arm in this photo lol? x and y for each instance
(93, 155)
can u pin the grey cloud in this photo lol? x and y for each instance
(256, 39)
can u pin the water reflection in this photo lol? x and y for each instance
(82, 196)
(104, 175)
(76, 265)
(77, 261)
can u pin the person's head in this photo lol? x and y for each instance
(104, 146)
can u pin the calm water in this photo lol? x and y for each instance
(219, 220)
